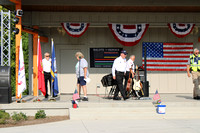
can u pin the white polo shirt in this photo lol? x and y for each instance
(130, 64)
(46, 65)
(119, 64)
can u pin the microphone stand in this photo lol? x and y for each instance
(79, 78)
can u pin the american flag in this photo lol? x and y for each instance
(75, 95)
(167, 56)
(156, 96)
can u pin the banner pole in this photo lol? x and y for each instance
(52, 98)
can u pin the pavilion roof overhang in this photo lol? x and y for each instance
(107, 5)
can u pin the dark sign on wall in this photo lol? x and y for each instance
(103, 57)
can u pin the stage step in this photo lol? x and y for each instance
(178, 106)
(134, 110)
(50, 108)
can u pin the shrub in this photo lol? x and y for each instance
(4, 116)
(40, 114)
(19, 116)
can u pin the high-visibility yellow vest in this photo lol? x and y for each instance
(194, 65)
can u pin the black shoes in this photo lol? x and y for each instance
(126, 98)
(85, 99)
(116, 98)
(197, 97)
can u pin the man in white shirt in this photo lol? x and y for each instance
(118, 71)
(129, 70)
(47, 71)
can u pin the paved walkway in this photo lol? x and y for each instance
(111, 126)
(119, 126)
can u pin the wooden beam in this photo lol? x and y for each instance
(16, 1)
(42, 38)
(17, 44)
(35, 69)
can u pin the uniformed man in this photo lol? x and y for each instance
(129, 70)
(118, 71)
(46, 62)
(194, 67)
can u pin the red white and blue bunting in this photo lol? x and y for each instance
(128, 35)
(75, 29)
(181, 29)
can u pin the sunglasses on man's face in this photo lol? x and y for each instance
(196, 52)
(47, 56)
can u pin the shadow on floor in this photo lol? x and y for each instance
(186, 97)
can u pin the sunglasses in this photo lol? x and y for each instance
(46, 56)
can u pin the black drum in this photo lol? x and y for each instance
(108, 80)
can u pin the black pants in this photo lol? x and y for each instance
(47, 77)
(120, 88)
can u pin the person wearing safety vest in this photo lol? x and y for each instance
(194, 67)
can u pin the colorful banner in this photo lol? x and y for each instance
(54, 71)
(21, 72)
(75, 29)
(180, 29)
(128, 35)
(41, 83)
(167, 56)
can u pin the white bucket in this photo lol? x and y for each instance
(161, 109)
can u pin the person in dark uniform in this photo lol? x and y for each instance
(118, 71)
(47, 71)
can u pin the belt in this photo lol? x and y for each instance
(47, 72)
(119, 72)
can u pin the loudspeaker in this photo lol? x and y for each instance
(5, 95)
(5, 76)
(5, 89)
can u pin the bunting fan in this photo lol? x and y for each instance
(181, 29)
(128, 35)
(75, 29)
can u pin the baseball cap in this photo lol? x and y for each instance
(124, 52)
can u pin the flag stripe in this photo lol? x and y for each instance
(183, 57)
(166, 61)
(172, 65)
(178, 48)
(166, 69)
(175, 44)
(176, 52)
(156, 59)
